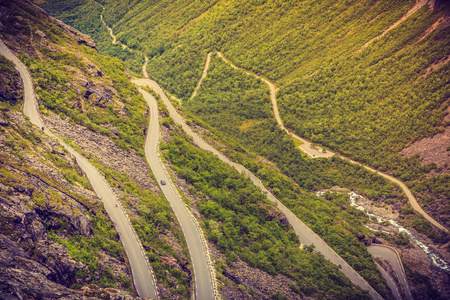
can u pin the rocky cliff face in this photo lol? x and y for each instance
(40, 210)
(57, 241)
(48, 213)
(120, 164)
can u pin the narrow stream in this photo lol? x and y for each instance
(435, 258)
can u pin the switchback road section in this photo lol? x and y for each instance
(315, 152)
(306, 235)
(143, 278)
(204, 275)
(393, 258)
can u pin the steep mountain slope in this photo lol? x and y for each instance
(345, 81)
(75, 85)
(331, 218)
(48, 212)
(365, 100)
(47, 207)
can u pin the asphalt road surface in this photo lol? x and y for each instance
(306, 235)
(204, 277)
(141, 271)
(392, 257)
(389, 281)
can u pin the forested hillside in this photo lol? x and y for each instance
(243, 225)
(338, 85)
(366, 102)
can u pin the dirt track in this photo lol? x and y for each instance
(316, 153)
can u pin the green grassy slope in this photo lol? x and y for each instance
(85, 16)
(368, 105)
(238, 107)
(40, 182)
(239, 220)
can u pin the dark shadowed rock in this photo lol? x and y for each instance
(3, 122)
(97, 94)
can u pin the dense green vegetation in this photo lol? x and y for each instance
(220, 102)
(154, 224)
(237, 218)
(60, 73)
(238, 108)
(18, 141)
(50, 77)
(272, 37)
(85, 16)
(10, 84)
(92, 90)
(368, 105)
(224, 93)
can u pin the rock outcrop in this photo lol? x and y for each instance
(39, 211)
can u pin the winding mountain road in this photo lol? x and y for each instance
(204, 275)
(412, 200)
(393, 258)
(316, 153)
(389, 281)
(114, 41)
(142, 274)
(305, 234)
(376, 250)
(306, 145)
(29, 107)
